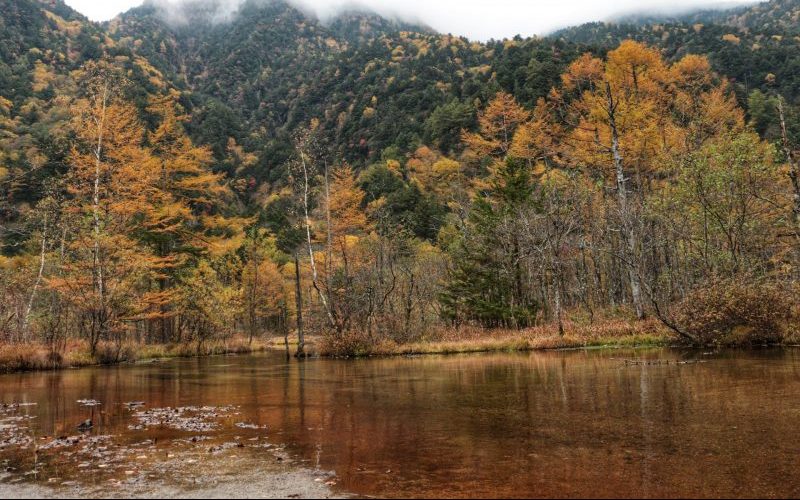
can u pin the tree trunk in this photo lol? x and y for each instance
(285, 328)
(794, 169)
(557, 299)
(252, 311)
(97, 269)
(314, 274)
(29, 308)
(298, 295)
(628, 230)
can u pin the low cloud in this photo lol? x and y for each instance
(476, 19)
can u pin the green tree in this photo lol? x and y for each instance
(489, 284)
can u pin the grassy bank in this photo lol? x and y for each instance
(77, 354)
(607, 333)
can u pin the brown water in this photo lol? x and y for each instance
(552, 424)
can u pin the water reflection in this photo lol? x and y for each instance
(553, 424)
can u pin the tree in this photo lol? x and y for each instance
(618, 114)
(188, 210)
(108, 179)
(489, 282)
(445, 124)
(305, 146)
(345, 223)
(536, 141)
(791, 158)
(730, 205)
(283, 216)
(262, 290)
(549, 226)
(497, 125)
(209, 304)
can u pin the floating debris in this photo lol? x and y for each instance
(246, 425)
(194, 439)
(14, 431)
(661, 362)
(225, 446)
(89, 402)
(15, 406)
(89, 442)
(185, 418)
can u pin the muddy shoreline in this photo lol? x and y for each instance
(167, 452)
(285, 481)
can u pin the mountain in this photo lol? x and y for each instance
(380, 88)
(378, 85)
(373, 83)
(776, 16)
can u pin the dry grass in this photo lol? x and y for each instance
(25, 357)
(32, 356)
(793, 334)
(606, 333)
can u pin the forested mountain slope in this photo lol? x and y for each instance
(373, 83)
(258, 74)
(379, 88)
(752, 57)
(182, 174)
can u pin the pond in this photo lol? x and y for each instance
(597, 423)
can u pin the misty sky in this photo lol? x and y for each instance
(476, 19)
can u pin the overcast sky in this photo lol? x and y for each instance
(476, 19)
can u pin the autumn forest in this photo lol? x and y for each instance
(547, 192)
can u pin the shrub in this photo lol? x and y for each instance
(737, 311)
(347, 344)
(108, 353)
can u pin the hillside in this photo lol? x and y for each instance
(380, 85)
(379, 88)
(750, 57)
(373, 83)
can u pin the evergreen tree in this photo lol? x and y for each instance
(489, 284)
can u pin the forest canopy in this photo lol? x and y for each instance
(384, 184)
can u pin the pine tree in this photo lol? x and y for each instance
(489, 284)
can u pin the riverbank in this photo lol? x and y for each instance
(612, 333)
(606, 333)
(77, 354)
(609, 333)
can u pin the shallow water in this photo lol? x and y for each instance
(542, 424)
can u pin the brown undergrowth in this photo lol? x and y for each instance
(76, 354)
(603, 333)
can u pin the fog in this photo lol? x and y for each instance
(476, 19)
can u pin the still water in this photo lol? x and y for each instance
(649, 423)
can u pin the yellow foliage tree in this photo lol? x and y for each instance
(109, 177)
(496, 127)
(185, 215)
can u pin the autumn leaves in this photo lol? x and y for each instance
(140, 211)
(625, 190)
(641, 182)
